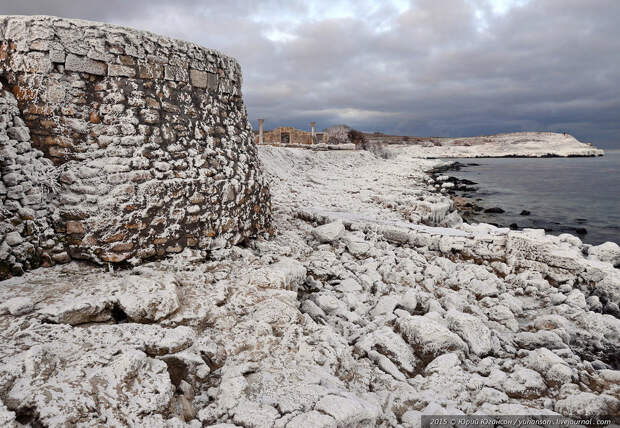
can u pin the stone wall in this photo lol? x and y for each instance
(26, 178)
(149, 137)
(296, 137)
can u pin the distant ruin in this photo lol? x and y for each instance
(120, 145)
(289, 136)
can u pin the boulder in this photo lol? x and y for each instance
(385, 305)
(312, 419)
(329, 232)
(390, 344)
(409, 301)
(17, 306)
(428, 338)
(587, 405)
(146, 299)
(525, 383)
(472, 330)
(348, 411)
(286, 274)
(608, 252)
(553, 368)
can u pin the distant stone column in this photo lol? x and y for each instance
(313, 124)
(260, 131)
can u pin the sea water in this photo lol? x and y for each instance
(564, 195)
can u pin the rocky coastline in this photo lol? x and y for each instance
(372, 305)
(476, 205)
(508, 145)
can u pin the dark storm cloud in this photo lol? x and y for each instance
(429, 67)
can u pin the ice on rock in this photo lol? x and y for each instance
(472, 330)
(443, 364)
(17, 306)
(134, 383)
(80, 310)
(409, 301)
(249, 413)
(330, 304)
(349, 285)
(7, 418)
(539, 339)
(358, 249)
(607, 252)
(428, 338)
(385, 306)
(491, 395)
(329, 232)
(161, 341)
(524, 383)
(146, 299)
(286, 274)
(310, 308)
(503, 315)
(542, 360)
(390, 344)
(312, 419)
(553, 368)
(349, 410)
(577, 299)
(587, 405)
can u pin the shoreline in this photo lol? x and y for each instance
(475, 206)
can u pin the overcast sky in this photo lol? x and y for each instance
(418, 67)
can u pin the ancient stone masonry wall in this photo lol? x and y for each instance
(26, 180)
(149, 137)
(295, 137)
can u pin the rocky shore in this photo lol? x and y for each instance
(372, 305)
(510, 193)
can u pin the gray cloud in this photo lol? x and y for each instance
(432, 68)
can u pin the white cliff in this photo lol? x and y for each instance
(515, 144)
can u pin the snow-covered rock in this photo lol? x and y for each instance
(428, 338)
(587, 405)
(472, 330)
(329, 232)
(147, 299)
(394, 318)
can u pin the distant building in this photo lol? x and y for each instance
(286, 135)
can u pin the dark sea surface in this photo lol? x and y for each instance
(562, 194)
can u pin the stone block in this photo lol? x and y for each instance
(150, 71)
(37, 62)
(212, 81)
(57, 55)
(19, 133)
(178, 74)
(199, 78)
(13, 239)
(12, 179)
(61, 257)
(121, 70)
(149, 116)
(85, 65)
(74, 227)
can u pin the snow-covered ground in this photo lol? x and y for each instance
(521, 144)
(372, 305)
